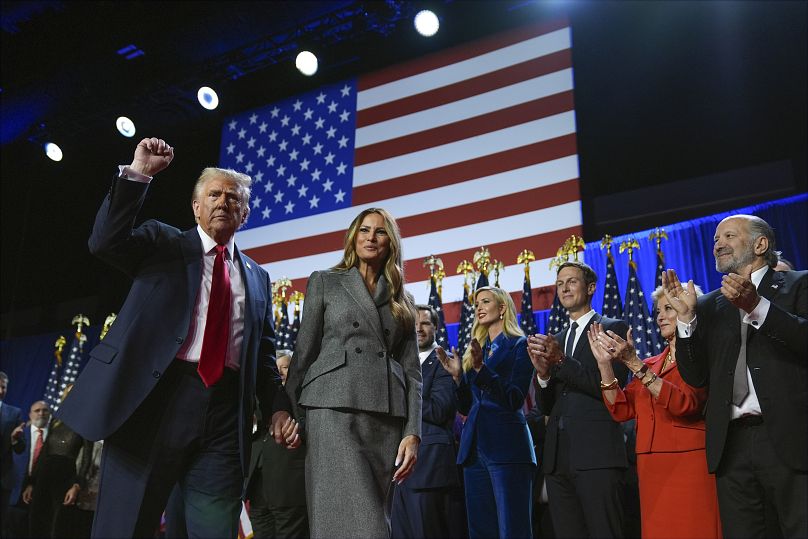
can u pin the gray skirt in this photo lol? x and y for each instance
(349, 471)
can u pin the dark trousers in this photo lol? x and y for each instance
(426, 513)
(185, 434)
(498, 498)
(584, 503)
(752, 480)
(272, 521)
(48, 516)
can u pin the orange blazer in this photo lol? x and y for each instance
(672, 422)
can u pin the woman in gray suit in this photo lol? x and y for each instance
(355, 381)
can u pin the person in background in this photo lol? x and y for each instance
(584, 456)
(276, 486)
(671, 459)
(11, 441)
(34, 435)
(424, 505)
(496, 449)
(88, 496)
(747, 343)
(56, 480)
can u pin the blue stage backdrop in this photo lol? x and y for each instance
(688, 250)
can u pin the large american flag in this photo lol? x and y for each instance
(473, 146)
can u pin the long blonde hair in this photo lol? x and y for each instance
(509, 325)
(401, 305)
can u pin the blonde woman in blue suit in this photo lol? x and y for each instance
(496, 449)
(355, 381)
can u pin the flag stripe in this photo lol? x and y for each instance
(470, 68)
(471, 148)
(478, 125)
(546, 152)
(535, 68)
(468, 237)
(412, 203)
(428, 222)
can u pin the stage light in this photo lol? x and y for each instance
(126, 127)
(53, 151)
(306, 63)
(426, 23)
(207, 98)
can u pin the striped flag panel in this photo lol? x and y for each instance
(473, 146)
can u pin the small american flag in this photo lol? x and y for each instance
(642, 324)
(612, 306)
(528, 319)
(559, 318)
(466, 320)
(435, 302)
(52, 393)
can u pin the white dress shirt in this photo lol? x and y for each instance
(750, 405)
(582, 321)
(192, 346)
(423, 355)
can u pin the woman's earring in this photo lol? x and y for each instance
(500, 316)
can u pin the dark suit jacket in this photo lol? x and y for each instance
(10, 419)
(166, 267)
(21, 466)
(776, 355)
(492, 399)
(436, 455)
(282, 471)
(573, 398)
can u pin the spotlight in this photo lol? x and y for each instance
(306, 63)
(207, 98)
(53, 151)
(426, 23)
(126, 127)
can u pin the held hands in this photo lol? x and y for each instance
(544, 352)
(683, 301)
(450, 363)
(406, 457)
(476, 355)
(151, 156)
(740, 290)
(285, 430)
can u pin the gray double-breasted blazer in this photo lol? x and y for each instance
(352, 354)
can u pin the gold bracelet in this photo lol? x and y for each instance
(610, 385)
(651, 381)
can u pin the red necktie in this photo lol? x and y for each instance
(37, 447)
(217, 324)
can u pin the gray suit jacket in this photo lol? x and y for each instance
(351, 353)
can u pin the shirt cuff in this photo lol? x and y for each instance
(542, 383)
(128, 174)
(685, 329)
(758, 315)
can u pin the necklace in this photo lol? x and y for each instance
(669, 360)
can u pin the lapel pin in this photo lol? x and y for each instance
(775, 286)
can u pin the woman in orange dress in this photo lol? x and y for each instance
(677, 494)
